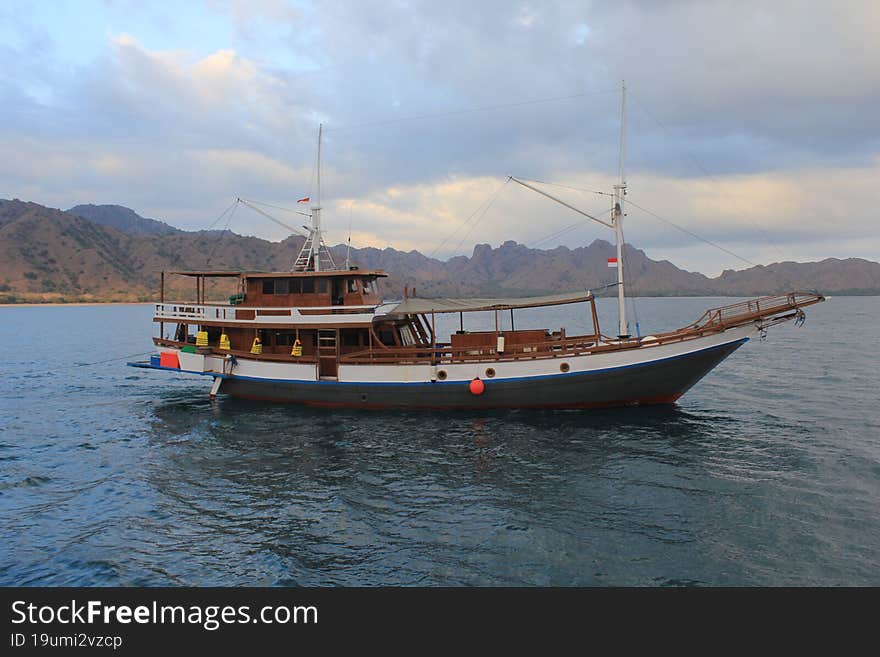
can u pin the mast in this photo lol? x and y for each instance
(316, 209)
(619, 193)
(314, 251)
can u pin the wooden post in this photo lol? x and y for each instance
(595, 317)
(461, 322)
(162, 301)
(433, 341)
(496, 322)
(511, 320)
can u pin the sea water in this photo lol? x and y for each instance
(766, 473)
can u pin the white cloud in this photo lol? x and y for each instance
(777, 102)
(787, 215)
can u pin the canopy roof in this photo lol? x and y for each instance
(417, 306)
(282, 274)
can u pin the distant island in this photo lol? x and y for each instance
(109, 253)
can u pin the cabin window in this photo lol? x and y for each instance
(281, 286)
(322, 286)
(285, 339)
(350, 338)
(368, 286)
(268, 286)
(352, 285)
(386, 337)
(294, 286)
(308, 286)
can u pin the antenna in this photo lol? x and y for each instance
(348, 253)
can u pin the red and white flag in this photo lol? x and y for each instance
(612, 262)
(304, 200)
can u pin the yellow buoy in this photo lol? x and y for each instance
(224, 342)
(202, 339)
(297, 349)
(257, 346)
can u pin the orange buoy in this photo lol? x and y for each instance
(476, 387)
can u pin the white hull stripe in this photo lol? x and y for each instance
(536, 377)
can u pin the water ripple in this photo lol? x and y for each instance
(766, 473)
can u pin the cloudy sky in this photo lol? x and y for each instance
(754, 125)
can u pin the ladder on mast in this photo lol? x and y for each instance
(305, 259)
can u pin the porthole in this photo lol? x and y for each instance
(441, 375)
(490, 372)
(564, 367)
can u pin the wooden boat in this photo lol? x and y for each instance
(321, 335)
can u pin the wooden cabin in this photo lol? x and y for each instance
(329, 312)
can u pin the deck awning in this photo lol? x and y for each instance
(206, 274)
(282, 274)
(418, 306)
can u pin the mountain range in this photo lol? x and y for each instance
(122, 219)
(110, 253)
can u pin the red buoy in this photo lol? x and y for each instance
(476, 387)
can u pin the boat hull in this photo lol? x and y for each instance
(660, 381)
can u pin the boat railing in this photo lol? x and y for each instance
(444, 353)
(205, 313)
(269, 354)
(714, 320)
(743, 312)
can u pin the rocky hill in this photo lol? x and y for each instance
(50, 255)
(123, 219)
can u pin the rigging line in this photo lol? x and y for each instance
(110, 360)
(221, 235)
(471, 110)
(705, 172)
(277, 207)
(688, 232)
(482, 214)
(102, 362)
(295, 231)
(222, 214)
(560, 201)
(577, 189)
(600, 288)
(563, 231)
(471, 216)
(597, 290)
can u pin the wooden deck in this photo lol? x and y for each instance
(539, 344)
